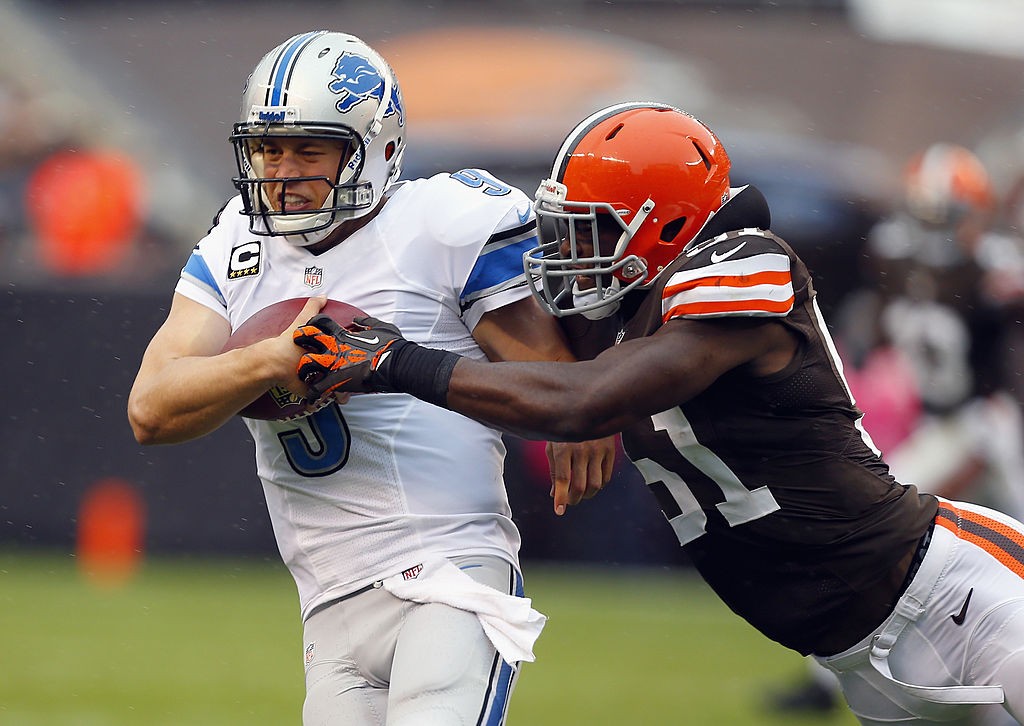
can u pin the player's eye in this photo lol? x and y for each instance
(584, 231)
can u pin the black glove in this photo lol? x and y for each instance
(339, 359)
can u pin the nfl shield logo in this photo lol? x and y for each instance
(314, 277)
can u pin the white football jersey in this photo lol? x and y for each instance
(361, 491)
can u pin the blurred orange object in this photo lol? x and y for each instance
(111, 526)
(85, 208)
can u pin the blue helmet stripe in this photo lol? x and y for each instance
(285, 62)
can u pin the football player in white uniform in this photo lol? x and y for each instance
(390, 513)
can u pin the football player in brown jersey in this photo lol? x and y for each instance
(703, 345)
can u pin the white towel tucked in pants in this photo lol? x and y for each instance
(510, 622)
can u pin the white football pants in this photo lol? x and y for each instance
(956, 636)
(374, 659)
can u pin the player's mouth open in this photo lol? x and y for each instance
(585, 282)
(294, 203)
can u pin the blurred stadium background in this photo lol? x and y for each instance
(115, 118)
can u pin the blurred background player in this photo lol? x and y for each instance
(949, 282)
(390, 514)
(928, 338)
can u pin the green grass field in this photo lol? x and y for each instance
(217, 642)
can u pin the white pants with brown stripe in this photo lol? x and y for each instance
(956, 638)
(374, 659)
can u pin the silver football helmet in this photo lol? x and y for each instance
(322, 85)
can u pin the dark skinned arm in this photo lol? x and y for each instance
(624, 384)
(522, 331)
(553, 400)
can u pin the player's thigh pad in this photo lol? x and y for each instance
(349, 646)
(445, 670)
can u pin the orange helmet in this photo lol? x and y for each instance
(650, 173)
(946, 181)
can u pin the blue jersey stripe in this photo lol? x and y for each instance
(284, 63)
(197, 269)
(498, 266)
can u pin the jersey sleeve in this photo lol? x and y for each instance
(483, 227)
(498, 277)
(744, 274)
(198, 280)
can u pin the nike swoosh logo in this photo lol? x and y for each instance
(335, 387)
(524, 217)
(960, 616)
(369, 341)
(719, 256)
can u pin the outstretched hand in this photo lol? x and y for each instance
(342, 359)
(579, 470)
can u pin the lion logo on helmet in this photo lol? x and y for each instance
(357, 80)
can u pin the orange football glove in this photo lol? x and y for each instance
(340, 359)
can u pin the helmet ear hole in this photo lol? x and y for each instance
(389, 150)
(704, 156)
(671, 229)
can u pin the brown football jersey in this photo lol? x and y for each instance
(771, 484)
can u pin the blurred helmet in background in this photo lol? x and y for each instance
(320, 85)
(945, 183)
(649, 175)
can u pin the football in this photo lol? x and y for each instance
(278, 404)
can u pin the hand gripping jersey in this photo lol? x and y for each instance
(771, 485)
(365, 490)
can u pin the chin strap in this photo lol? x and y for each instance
(587, 298)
